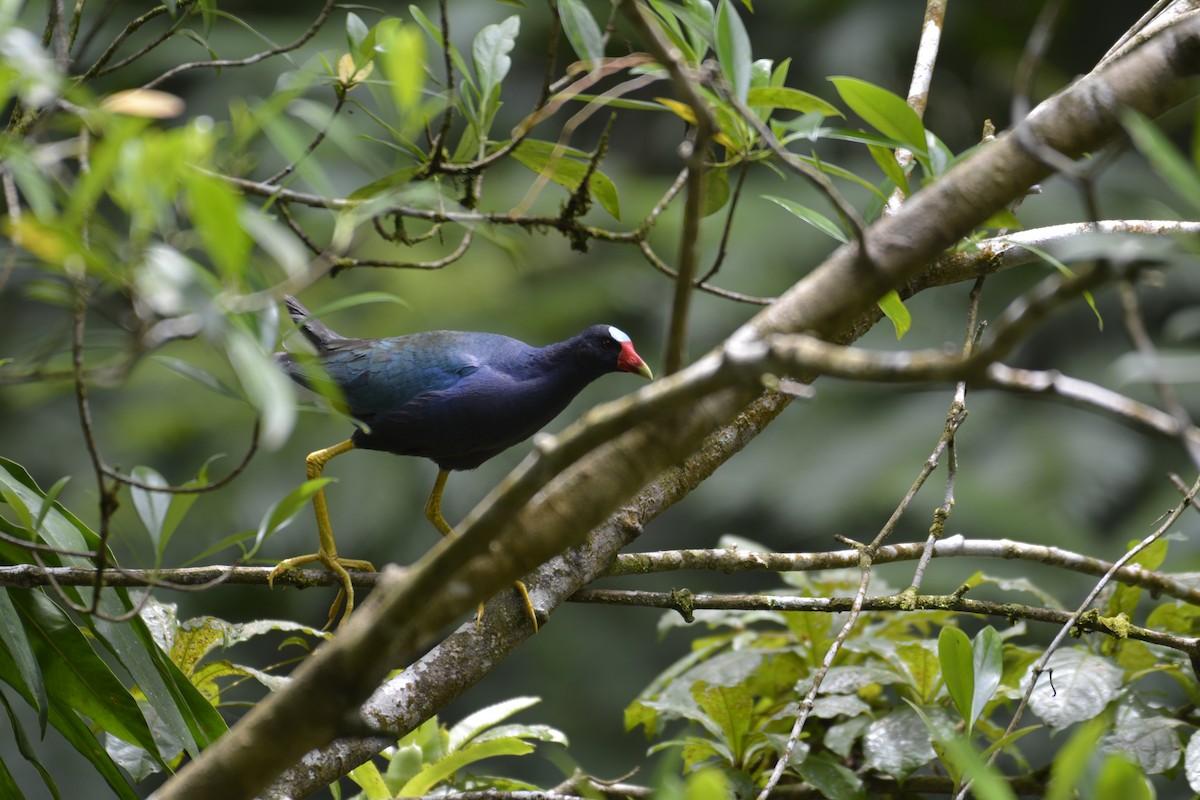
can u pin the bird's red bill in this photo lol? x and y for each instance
(630, 361)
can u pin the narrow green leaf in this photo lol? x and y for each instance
(267, 389)
(14, 640)
(151, 506)
(987, 782)
(884, 111)
(954, 653)
(988, 666)
(216, 214)
(814, 218)
(75, 675)
(367, 776)
(197, 374)
(581, 29)
(733, 49)
(435, 33)
(790, 100)
(894, 309)
(1065, 270)
(1164, 158)
(886, 159)
(8, 786)
(280, 514)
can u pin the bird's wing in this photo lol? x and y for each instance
(376, 375)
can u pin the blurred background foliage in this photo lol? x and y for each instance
(837, 464)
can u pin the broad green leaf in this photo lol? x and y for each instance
(832, 779)
(477, 722)
(987, 662)
(716, 190)
(445, 769)
(490, 54)
(403, 63)
(14, 640)
(791, 100)
(567, 172)
(729, 711)
(922, 667)
(814, 218)
(1164, 158)
(707, 784)
(884, 111)
(733, 49)
(356, 31)
(1072, 760)
(369, 778)
(1120, 777)
(581, 29)
(954, 654)
(1084, 685)
(151, 506)
(894, 309)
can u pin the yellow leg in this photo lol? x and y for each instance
(327, 550)
(433, 512)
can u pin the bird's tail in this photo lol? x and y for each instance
(313, 329)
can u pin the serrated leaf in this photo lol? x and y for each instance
(733, 49)
(884, 111)
(581, 29)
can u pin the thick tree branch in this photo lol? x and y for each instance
(403, 615)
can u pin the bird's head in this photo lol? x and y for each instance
(613, 347)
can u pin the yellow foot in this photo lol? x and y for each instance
(520, 587)
(338, 566)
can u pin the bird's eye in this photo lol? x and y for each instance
(610, 344)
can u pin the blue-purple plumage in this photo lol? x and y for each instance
(454, 397)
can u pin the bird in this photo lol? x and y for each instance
(456, 398)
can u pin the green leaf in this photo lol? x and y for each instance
(1072, 760)
(403, 63)
(8, 786)
(474, 724)
(280, 514)
(884, 111)
(814, 218)
(1167, 161)
(987, 662)
(733, 49)
(716, 190)
(216, 213)
(368, 777)
(267, 389)
(1120, 777)
(435, 33)
(14, 640)
(894, 309)
(833, 780)
(987, 783)
(727, 714)
(954, 654)
(151, 506)
(707, 784)
(1065, 270)
(790, 100)
(490, 53)
(560, 166)
(886, 160)
(581, 29)
(922, 667)
(76, 676)
(197, 374)
(444, 769)
(356, 31)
